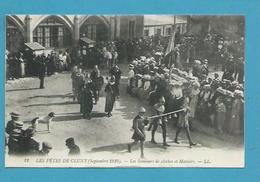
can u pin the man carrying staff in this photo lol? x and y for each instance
(139, 123)
(159, 107)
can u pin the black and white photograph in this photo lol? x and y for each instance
(109, 91)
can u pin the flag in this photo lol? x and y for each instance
(170, 46)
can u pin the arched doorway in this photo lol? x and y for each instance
(52, 32)
(95, 29)
(14, 36)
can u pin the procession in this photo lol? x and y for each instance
(167, 84)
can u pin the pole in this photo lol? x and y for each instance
(173, 112)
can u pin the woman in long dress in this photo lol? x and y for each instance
(86, 105)
(110, 90)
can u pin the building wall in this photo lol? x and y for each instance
(153, 30)
(166, 24)
(124, 27)
(229, 26)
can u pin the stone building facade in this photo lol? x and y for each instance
(62, 31)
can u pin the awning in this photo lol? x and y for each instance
(34, 46)
(87, 40)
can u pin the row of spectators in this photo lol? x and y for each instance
(217, 102)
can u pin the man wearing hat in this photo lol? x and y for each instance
(41, 70)
(139, 123)
(73, 148)
(11, 124)
(159, 107)
(46, 147)
(15, 132)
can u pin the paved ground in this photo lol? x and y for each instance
(102, 136)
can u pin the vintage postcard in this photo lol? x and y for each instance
(118, 90)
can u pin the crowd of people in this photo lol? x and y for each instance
(176, 91)
(86, 88)
(104, 54)
(217, 102)
(21, 142)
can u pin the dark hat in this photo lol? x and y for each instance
(51, 114)
(70, 140)
(46, 145)
(16, 115)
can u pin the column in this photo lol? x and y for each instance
(76, 29)
(28, 30)
(112, 28)
(117, 26)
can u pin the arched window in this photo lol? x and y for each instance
(52, 32)
(95, 29)
(14, 37)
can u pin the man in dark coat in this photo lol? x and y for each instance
(41, 70)
(11, 124)
(73, 148)
(86, 105)
(15, 132)
(110, 90)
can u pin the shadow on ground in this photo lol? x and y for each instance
(22, 89)
(50, 96)
(123, 147)
(52, 104)
(76, 116)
